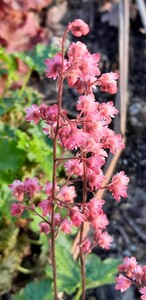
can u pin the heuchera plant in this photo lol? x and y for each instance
(90, 137)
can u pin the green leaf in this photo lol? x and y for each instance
(37, 149)
(100, 272)
(41, 290)
(68, 271)
(35, 58)
(12, 159)
(7, 105)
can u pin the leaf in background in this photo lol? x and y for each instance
(41, 290)
(35, 58)
(100, 272)
(37, 149)
(7, 105)
(12, 159)
(68, 271)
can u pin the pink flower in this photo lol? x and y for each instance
(18, 189)
(143, 292)
(67, 194)
(48, 189)
(76, 51)
(78, 27)
(54, 66)
(74, 166)
(94, 162)
(51, 114)
(87, 103)
(46, 206)
(86, 246)
(107, 111)
(31, 186)
(57, 219)
(107, 82)
(103, 239)
(96, 180)
(113, 142)
(128, 266)
(33, 114)
(118, 185)
(123, 283)
(66, 226)
(94, 205)
(44, 227)
(99, 221)
(76, 216)
(17, 209)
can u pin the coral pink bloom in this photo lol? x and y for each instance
(143, 292)
(99, 221)
(103, 239)
(76, 216)
(94, 204)
(50, 114)
(118, 185)
(113, 142)
(144, 275)
(123, 283)
(128, 266)
(44, 227)
(48, 188)
(54, 66)
(72, 137)
(67, 194)
(18, 189)
(87, 103)
(97, 130)
(31, 186)
(66, 226)
(78, 27)
(46, 206)
(107, 82)
(76, 51)
(57, 219)
(74, 166)
(33, 114)
(95, 181)
(86, 246)
(138, 274)
(94, 162)
(17, 209)
(107, 111)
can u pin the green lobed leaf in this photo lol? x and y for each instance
(100, 272)
(41, 290)
(37, 150)
(35, 58)
(68, 271)
(12, 159)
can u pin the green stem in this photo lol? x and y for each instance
(24, 270)
(26, 79)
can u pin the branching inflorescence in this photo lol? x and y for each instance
(89, 135)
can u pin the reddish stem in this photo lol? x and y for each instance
(60, 91)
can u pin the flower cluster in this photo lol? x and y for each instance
(88, 134)
(133, 274)
(91, 139)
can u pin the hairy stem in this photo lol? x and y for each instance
(59, 102)
(82, 258)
